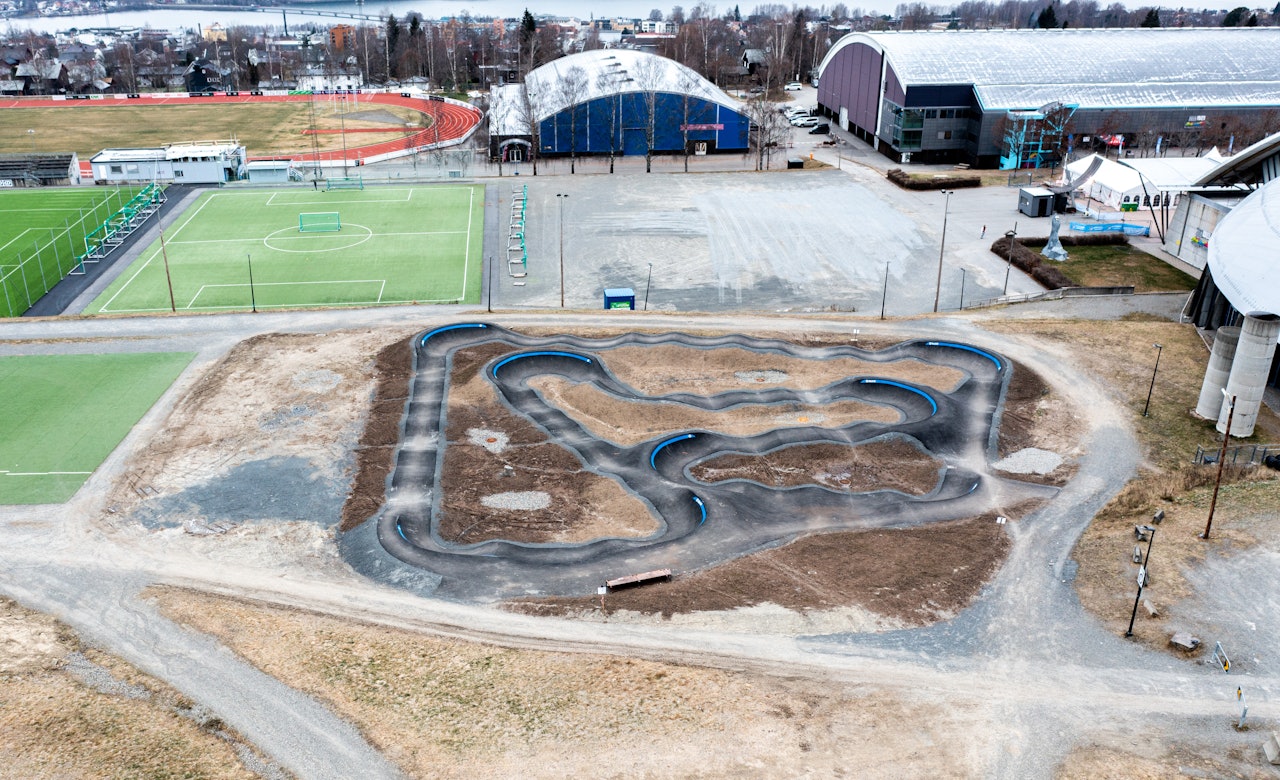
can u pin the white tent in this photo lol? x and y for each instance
(1113, 185)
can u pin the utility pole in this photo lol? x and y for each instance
(1222, 459)
(942, 247)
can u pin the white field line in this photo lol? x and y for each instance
(203, 287)
(264, 306)
(307, 238)
(466, 257)
(43, 473)
(106, 307)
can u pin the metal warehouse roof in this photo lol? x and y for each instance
(1121, 68)
(1243, 249)
(614, 71)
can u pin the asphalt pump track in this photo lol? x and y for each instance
(703, 524)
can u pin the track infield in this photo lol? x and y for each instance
(41, 233)
(63, 415)
(396, 245)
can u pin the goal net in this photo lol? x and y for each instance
(319, 222)
(345, 183)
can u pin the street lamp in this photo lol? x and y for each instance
(489, 296)
(32, 135)
(342, 118)
(1222, 459)
(647, 283)
(1142, 574)
(1008, 254)
(884, 295)
(253, 299)
(942, 246)
(1159, 350)
(560, 198)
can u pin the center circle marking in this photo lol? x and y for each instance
(333, 242)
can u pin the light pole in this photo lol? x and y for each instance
(560, 198)
(490, 285)
(1142, 575)
(942, 246)
(884, 295)
(1222, 459)
(253, 300)
(1010, 235)
(962, 277)
(32, 135)
(647, 283)
(1150, 390)
(342, 118)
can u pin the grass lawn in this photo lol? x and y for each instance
(396, 245)
(63, 415)
(41, 232)
(1119, 266)
(262, 127)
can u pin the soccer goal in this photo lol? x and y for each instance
(319, 222)
(345, 183)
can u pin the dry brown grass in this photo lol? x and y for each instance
(53, 725)
(1121, 352)
(448, 709)
(262, 127)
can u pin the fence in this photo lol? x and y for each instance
(1050, 295)
(1240, 455)
(27, 273)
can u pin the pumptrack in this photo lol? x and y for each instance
(702, 524)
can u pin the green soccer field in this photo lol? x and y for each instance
(395, 245)
(62, 416)
(41, 234)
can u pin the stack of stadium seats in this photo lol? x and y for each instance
(517, 252)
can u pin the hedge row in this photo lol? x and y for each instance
(905, 180)
(1085, 239)
(1033, 263)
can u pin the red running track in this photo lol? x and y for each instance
(451, 121)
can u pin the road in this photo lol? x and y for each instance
(1026, 656)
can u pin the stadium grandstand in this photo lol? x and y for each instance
(614, 101)
(1028, 98)
(39, 170)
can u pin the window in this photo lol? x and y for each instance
(117, 169)
(948, 113)
(944, 135)
(131, 167)
(177, 174)
(930, 113)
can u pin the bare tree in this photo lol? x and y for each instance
(608, 83)
(572, 91)
(527, 111)
(769, 128)
(649, 75)
(686, 82)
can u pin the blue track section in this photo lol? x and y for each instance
(953, 426)
(448, 328)
(539, 354)
(968, 348)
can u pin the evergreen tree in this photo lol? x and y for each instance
(1234, 17)
(1152, 20)
(1253, 21)
(527, 26)
(1048, 18)
(737, 16)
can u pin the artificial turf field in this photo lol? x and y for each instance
(62, 415)
(396, 245)
(42, 230)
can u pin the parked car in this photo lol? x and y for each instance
(822, 129)
(804, 121)
(794, 86)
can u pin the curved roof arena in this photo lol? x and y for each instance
(611, 72)
(1113, 68)
(1243, 251)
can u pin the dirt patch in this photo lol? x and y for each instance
(450, 709)
(911, 576)
(581, 506)
(375, 454)
(69, 711)
(283, 410)
(631, 422)
(677, 369)
(1037, 417)
(885, 464)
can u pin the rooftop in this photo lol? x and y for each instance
(1020, 69)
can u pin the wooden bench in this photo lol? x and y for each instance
(635, 580)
